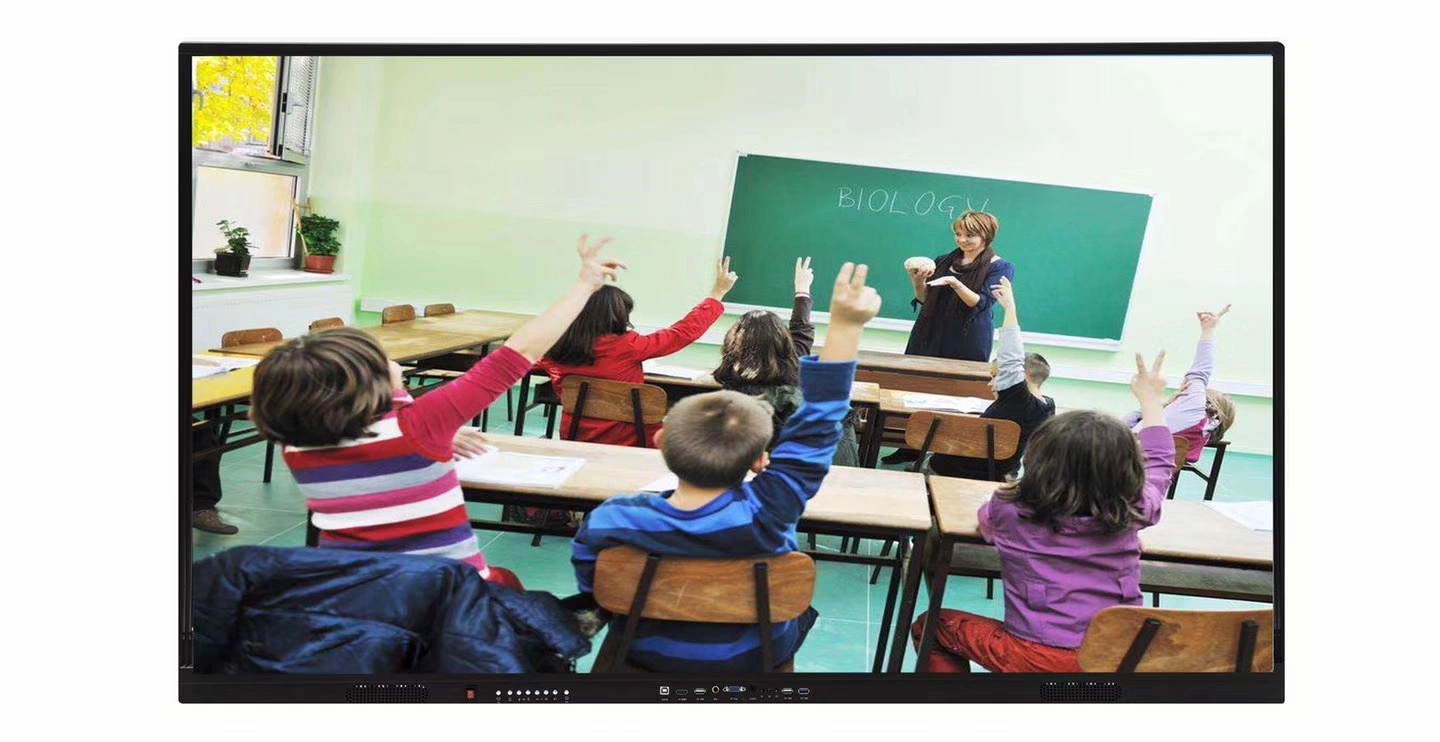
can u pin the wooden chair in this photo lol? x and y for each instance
(439, 310)
(1132, 639)
(397, 313)
(895, 425)
(246, 337)
(1211, 478)
(602, 399)
(761, 591)
(329, 323)
(1182, 450)
(950, 434)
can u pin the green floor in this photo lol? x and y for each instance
(843, 639)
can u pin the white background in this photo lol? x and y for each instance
(89, 542)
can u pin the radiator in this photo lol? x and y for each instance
(290, 310)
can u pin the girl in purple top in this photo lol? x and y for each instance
(1068, 537)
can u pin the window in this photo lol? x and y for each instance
(251, 131)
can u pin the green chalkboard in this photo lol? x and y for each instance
(1075, 250)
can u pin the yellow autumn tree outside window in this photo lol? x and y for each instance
(235, 104)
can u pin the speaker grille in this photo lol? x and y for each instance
(1080, 692)
(386, 693)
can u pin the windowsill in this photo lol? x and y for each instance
(262, 279)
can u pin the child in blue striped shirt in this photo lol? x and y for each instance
(711, 441)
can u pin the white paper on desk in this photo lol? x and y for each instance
(506, 467)
(202, 366)
(1256, 515)
(941, 403)
(678, 372)
(670, 482)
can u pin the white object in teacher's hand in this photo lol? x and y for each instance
(918, 264)
(520, 469)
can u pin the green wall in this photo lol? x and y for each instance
(468, 179)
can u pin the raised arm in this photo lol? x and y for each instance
(1156, 443)
(1188, 408)
(802, 332)
(1011, 355)
(689, 329)
(435, 417)
(803, 453)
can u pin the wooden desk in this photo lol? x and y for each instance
(227, 388)
(490, 326)
(1188, 532)
(854, 502)
(945, 368)
(402, 342)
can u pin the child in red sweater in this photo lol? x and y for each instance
(602, 344)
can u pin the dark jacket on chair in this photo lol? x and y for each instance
(264, 609)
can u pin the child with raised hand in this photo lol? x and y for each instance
(1017, 379)
(761, 358)
(1196, 412)
(602, 344)
(1068, 537)
(375, 465)
(711, 441)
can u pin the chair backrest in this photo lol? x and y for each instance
(1136, 639)
(399, 313)
(1182, 452)
(436, 310)
(704, 590)
(961, 435)
(329, 323)
(926, 384)
(246, 337)
(603, 399)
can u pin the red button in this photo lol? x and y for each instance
(470, 694)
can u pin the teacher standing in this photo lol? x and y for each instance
(957, 309)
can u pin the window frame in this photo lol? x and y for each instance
(277, 161)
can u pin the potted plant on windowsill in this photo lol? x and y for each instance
(317, 237)
(234, 258)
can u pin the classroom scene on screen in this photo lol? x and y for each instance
(704, 364)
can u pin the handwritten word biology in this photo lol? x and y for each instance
(893, 202)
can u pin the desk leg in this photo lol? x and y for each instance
(888, 616)
(907, 601)
(524, 402)
(875, 434)
(937, 600)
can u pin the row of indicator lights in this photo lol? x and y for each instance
(470, 693)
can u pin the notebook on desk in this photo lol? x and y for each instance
(518, 469)
(203, 366)
(675, 372)
(941, 403)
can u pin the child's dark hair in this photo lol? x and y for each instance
(1081, 463)
(1037, 368)
(712, 439)
(321, 389)
(606, 313)
(758, 351)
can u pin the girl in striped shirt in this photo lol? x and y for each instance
(374, 464)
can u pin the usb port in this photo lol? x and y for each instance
(804, 691)
(699, 691)
(787, 691)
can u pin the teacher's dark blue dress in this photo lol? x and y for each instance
(946, 328)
